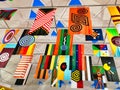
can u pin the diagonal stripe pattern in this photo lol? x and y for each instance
(43, 20)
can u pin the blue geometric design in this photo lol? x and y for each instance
(53, 33)
(32, 15)
(59, 24)
(74, 2)
(38, 3)
(99, 36)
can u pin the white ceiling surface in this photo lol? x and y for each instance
(100, 19)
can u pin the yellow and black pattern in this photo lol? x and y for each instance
(76, 75)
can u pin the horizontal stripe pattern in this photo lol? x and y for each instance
(23, 67)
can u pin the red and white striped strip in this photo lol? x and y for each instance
(23, 67)
(39, 14)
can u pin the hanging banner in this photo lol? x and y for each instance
(110, 69)
(42, 22)
(25, 45)
(114, 39)
(115, 15)
(100, 50)
(80, 21)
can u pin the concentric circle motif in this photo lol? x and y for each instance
(8, 37)
(116, 40)
(82, 11)
(76, 28)
(63, 66)
(27, 40)
(4, 57)
(76, 75)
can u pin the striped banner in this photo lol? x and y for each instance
(45, 64)
(43, 21)
(23, 67)
(50, 49)
(63, 43)
(80, 21)
(115, 15)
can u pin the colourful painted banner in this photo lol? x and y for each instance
(80, 21)
(25, 45)
(110, 69)
(115, 15)
(100, 50)
(43, 21)
(114, 43)
(98, 73)
(23, 67)
(63, 43)
(97, 35)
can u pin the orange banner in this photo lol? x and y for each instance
(80, 21)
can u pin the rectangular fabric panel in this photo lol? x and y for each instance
(100, 50)
(77, 66)
(80, 21)
(50, 49)
(63, 72)
(7, 14)
(63, 43)
(98, 76)
(45, 64)
(43, 21)
(24, 50)
(115, 14)
(112, 33)
(5, 55)
(110, 69)
(23, 67)
(97, 35)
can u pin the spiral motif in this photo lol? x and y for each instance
(82, 11)
(76, 27)
(116, 40)
(27, 40)
(4, 57)
(76, 76)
